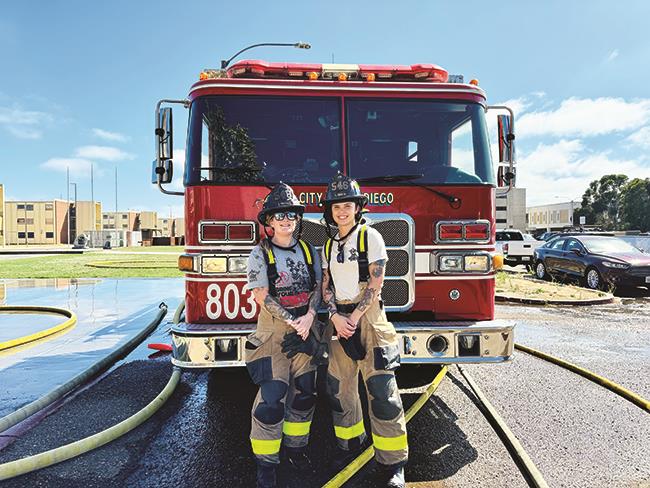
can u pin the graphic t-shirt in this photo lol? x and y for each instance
(292, 286)
(346, 275)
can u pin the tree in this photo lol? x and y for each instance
(635, 204)
(601, 202)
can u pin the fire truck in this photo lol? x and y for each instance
(414, 137)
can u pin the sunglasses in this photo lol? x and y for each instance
(282, 215)
(340, 257)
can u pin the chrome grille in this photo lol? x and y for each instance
(314, 233)
(394, 232)
(395, 293)
(398, 262)
(639, 270)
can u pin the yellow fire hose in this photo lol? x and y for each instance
(610, 385)
(351, 469)
(74, 449)
(71, 320)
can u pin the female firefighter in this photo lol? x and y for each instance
(283, 353)
(354, 261)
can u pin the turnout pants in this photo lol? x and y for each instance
(387, 421)
(284, 405)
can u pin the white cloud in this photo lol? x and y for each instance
(612, 55)
(641, 137)
(104, 153)
(566, 168)
(586, 117)
(24, 124)
(77, 166)
(110, 136)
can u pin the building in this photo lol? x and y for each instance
(179, 227)
(85, 216)
(2, 215)
(119, 220)
(165, 226)
(148, 221)
(36, 222)
(511, 208)
(554, 216)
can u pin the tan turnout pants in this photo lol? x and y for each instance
(385, 405)
(284, 405)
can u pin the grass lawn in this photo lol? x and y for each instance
(95, 265)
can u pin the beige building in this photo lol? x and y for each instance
(179, 227)
(165, 226)
(36, 222)
(119, 220)
(148, 220)
(85, 216)
(555, 216)
(511, 209)
(2, 215)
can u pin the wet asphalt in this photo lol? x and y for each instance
(577, 433)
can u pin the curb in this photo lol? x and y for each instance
(538, 301)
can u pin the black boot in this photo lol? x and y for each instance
(298, 459)
(391, 476)
(342, 457)
(266, 475)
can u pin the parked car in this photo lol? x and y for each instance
(598, 261)
(516, 247)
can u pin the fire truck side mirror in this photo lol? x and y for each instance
(164, 135)
(162, 172)
(506, 169)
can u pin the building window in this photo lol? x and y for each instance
(20, 221)
(502, 209)
(49, 221)
(125, 216)
(30, 221)
(502, 221)
(29, 207)
(125, 226)
(30, 235)
(20, 206)
(21, 235)
(49, 206)
(49, 235)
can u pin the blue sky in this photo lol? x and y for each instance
(80, 79)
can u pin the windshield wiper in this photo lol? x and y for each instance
(454, 201)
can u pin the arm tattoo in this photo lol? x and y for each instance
(369, 296)
(328, 294)
(276, 310)
(377, 268)
(314, 301)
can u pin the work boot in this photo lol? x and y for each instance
(342, 457)
(391, 476)
(298, 459)
(266, 476)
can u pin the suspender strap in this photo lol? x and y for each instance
(271, 267)
(362, 261)
(328, 257)
(309, 260)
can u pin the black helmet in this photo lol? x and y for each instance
(344, 189)
(280, 199)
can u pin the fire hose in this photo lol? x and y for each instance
(69, 322)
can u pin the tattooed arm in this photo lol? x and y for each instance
(328, 294)
(372, 291)
(315, 300)
(271, 304)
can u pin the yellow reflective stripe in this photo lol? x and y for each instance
(390, 443)
(362, 244)
(271, 256)
(349, 432)
(296, 428)
(266, 447)
(305, 247)
(328, 249)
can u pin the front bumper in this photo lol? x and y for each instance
(422, 342)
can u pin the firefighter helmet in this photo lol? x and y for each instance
(342, 188)
(280, 199)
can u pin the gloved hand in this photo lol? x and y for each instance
(353, 346)
(293, 344)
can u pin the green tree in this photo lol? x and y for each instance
(601, 202)
(635, 205)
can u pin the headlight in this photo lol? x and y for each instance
(479, 262)
(610, 264)
(237, 264)
(213, 264)
(450, 263)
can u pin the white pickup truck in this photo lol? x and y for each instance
(516, 247)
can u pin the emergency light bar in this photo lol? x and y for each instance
(336, 72)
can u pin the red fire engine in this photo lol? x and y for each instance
(415, 138)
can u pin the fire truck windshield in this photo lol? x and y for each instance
(447, 143)
(256, 139)
(267, 139)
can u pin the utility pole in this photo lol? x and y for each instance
(92, 195)
(116, 192)
(68, 208)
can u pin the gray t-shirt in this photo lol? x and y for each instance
(292, 286)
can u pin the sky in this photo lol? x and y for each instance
(79, 80)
